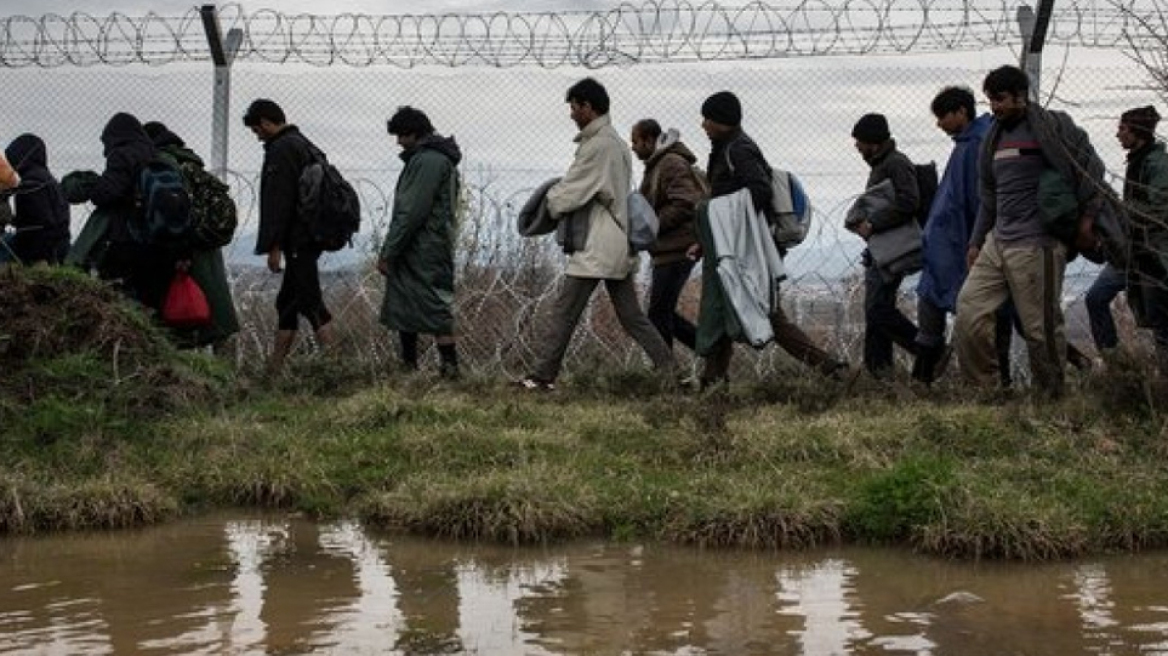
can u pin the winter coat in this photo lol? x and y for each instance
(598, 180)
(127, 149)
(1145, 194)
(285, 156)
(951, 219)
(207, 266)
(419, 248)
(104, 241)
(41, 212)
(672, 188)
(736, 162)
(1065, 147)
(890, 164)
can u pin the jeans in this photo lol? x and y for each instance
(664, 292)
(1108, 284)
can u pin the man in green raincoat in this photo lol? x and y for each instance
(417, 258)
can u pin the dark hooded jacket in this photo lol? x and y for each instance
(41, 211)
(127, 150)
(207, 266)
(419, 247)
(285, 157)
(672, 187)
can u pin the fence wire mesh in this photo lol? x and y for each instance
(496, 82)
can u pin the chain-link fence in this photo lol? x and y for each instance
(497, 82)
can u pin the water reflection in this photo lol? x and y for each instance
(285, 586)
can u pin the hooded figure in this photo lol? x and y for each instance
(419, 246)
(206, 265)
(41, 211)
(105, 243)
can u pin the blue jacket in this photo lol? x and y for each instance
(951, 219)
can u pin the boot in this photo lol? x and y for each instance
(925, 365)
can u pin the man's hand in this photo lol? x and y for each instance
(694, 252)
(274, 257)
(382, 267)
(971, 257)
(1085, 238)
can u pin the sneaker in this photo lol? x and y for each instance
(534, 384)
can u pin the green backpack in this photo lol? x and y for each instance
(213, 217)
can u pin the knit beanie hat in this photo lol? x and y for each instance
(1141, 120)
(871, 129)
(723, 107)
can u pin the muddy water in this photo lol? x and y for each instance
(275, 585)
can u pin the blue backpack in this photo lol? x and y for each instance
(789, 219)
(162, 204)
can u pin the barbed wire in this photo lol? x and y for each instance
(630, 33)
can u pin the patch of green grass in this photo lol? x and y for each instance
(891, 504)
(533, 506)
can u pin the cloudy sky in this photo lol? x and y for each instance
(379, 7)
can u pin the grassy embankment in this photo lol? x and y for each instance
(105, 425)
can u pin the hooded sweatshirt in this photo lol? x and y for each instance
(42, 213)
(672, 187)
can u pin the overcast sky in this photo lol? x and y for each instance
(378, 7)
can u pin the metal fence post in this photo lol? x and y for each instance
(1033, 29)
(222, 56)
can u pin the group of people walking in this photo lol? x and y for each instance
(1022, 193)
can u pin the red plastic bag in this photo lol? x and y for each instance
(185, 305)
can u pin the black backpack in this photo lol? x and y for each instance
(213, 213)
(329, 206)
(927, 189)
(162, 205)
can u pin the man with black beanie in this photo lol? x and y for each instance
(884, 323)
(735, 163)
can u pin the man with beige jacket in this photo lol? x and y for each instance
(594, 189)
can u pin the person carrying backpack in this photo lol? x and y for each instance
(41, 216)
(884, 324)
(204, 261)
(283, 237)
(736, 162)
(106, 243)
